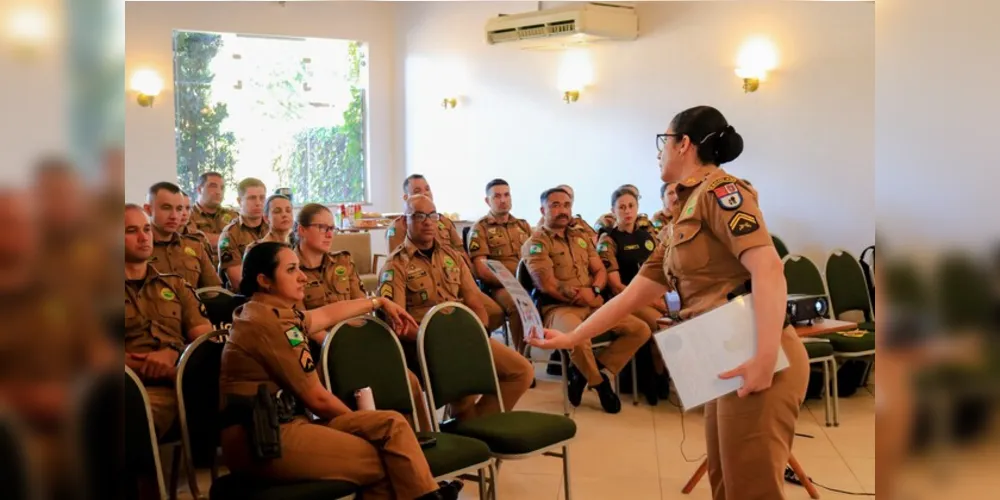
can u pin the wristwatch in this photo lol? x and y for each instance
(376, 305)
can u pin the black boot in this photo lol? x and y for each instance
(554, 367)
(446, 491)
(663, 385)
(609, 400)
(577, 384)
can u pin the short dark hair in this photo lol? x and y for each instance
(622, 191)
(203, 178)
(270, 199)
(549, 192)
(248, 183)
(169, 187)
(663, 189)
(134, 206)
(261, 258)
(494, 183)
(411, 178)
(715, 140)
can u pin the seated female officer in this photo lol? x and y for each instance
(720, 243)
(331, 277)
(267, 347)
(623, 249)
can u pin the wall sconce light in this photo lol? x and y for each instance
(756, 58)
(576, 73)
(449, 103)
(571, 96)
(148, 85)
(28, 30)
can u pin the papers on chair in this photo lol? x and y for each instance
(698, 350)
(525, 307)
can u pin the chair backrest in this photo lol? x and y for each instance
(846, 282)
(964, 294)
(465, 237)
(142, 453)
(198, 397)
(455, 355)
(360, 246)
(14, 469)
(779, 246)
(219, 305)
(364, 352)
(802, 276)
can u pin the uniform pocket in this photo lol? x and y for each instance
(342, 286)
(453, 281)
(418, 291)
(689, 246)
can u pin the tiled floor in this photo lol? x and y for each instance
(637, 453)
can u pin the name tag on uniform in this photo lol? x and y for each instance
(631, 247)
(416, 273)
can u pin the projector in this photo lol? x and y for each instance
(803, 308)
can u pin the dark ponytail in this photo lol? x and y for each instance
(715, 140)
(261, 258)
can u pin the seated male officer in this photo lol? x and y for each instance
(188, 228)
(499, 236)
(174, 253)
(576, 222)
(162, 314)
(422, 273)
(569, 275)
(447, 235)
(249, 227)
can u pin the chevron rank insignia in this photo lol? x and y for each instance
(742, 224)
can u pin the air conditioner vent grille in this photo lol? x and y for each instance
(530, 32)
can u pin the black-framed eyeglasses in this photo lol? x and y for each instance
(420, 217)
(661, 140)
(323, 228)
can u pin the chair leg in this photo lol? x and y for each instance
(565, 382)
(635, 383)
(801, 474)
(482, 483)
(175, 472)
(702, 469)
(566, 472)
(192, 477)
(836, 393)
(827, 404)
(506, 334)
(494, 480)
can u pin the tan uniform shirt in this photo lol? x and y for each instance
(418, 283)
(268, 344)
(568, 257)
(489, 238)
(661, 221)
(235, 239)
(334, 280)
(160, 311)
(211, 223)
(447, 234)
(185, 256)
(608, 221)
(211, 250)
(719, 219)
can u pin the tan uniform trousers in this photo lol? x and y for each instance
(631, 333)
(505, 301)
(374, 449)
(514, 373)
(749, 440)
(495, 313)
(163, 402)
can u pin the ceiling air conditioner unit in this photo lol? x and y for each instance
(564, 26)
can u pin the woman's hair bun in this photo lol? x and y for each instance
(728, 145)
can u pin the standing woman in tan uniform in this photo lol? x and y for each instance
(267, 347)
(719, 243)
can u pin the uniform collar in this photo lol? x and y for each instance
(175, 238)
(553, 234)
(323, 261)
(491, 219)
(151, 274)
(411, 249)
(696, 178)
(263, 227)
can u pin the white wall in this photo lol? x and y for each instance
(937, 131)
(149, 136)
(809, 131)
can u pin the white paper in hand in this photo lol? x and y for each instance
(525, 307)
(698, 350)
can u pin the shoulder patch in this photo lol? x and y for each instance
(190, 251)
(473, 246)
(582, 243)
(650, 245)
(602, 247)
(224, 242)
(742, 224)
(728, 196)
(385, 291)
(306, 361)
(536, 248)
(474, 234)
(391, 232)
(294, 336)
(388, 275)
(725, 179)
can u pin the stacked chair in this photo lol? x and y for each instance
(457, 362)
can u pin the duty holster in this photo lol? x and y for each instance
(261, 416)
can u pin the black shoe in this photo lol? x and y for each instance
(650, 393)
(577, 384)
(534, 383)
(446, 491)
(449, 425)
(609, 400)
(663, 385)
(554, 367)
